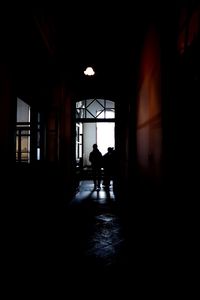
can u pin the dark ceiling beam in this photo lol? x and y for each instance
(46, 30)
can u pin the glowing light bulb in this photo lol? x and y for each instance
(89, 71)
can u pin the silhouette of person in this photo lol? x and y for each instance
(108, 165)
(95, 157)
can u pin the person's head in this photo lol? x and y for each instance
(110, 149)
(95, 146)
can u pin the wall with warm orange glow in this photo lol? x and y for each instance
(149, 131)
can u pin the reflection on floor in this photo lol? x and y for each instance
(91, 242)
(98, 232)
(86, 190)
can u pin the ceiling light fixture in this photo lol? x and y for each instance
(89, 71)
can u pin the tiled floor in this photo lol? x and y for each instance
(97, 236)
(91, 243)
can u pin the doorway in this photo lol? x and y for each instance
(95, 124)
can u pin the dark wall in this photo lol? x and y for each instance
(7, 115)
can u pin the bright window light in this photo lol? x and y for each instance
(105, 136)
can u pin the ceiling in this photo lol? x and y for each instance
(100, 38)
(59, 41)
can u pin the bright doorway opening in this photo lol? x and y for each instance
(105, 136)
(95, 124)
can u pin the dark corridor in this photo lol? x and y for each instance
(57, 231)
